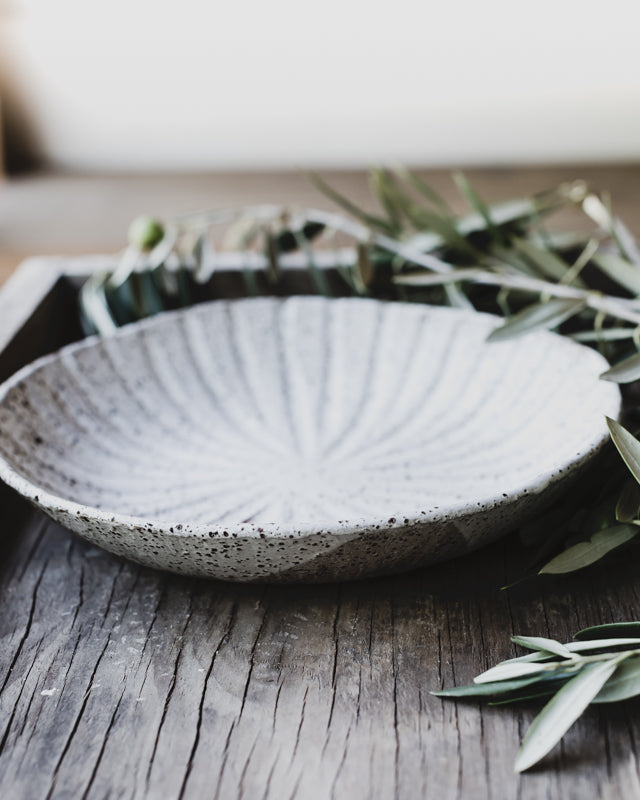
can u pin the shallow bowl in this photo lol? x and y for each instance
(303, 439)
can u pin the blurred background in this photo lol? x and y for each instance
(110, 110)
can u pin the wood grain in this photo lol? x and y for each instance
(118, 681)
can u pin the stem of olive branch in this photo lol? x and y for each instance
(621, 308)
(366, 236)
(331, 220)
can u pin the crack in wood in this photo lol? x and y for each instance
(103, 746)
(76, 723)
(27, 629)
(205, 686)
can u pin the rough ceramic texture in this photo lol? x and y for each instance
(301, 439)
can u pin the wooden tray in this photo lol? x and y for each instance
(118, 681)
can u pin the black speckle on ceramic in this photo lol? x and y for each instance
(301, 439)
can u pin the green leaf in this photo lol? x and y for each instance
(600, 211)
(388, 196)
(585, 645)
(363, 269)
(426, 191)
(623, 684)
(579, 647)
(426, 241)
(562, 711)
(585, 553)
(562, 241)
(398, 204)
(272, 256)
(619, 270)
(538, 655)
(508, 214)
(371, 220)
(487, 689)
(318, 276)
(547, 262)
(148, 297)
(508, 670)
(523, 696)
(626, 241)
(541, 643)
(622, 629)
(628, 446)
(626, 371)
(443, 232)
(511, 257)
(476, 202)
(629, 502)
(96, 314)
(540, 315)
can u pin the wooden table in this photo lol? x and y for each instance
(120, 682)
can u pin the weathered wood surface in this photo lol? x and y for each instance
(118, 681)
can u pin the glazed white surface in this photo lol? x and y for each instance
(254, 439)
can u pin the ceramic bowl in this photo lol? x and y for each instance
(303, 439)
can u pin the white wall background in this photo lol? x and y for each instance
(191, 84)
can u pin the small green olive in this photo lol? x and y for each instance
(145, 232)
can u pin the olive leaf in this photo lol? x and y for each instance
(620, 270)
(426, 191)
(626, 241)
(476, 202)
(540, 643)
(628, 446)
(95, 314)
(626, 371)
(515, 669)
(546, 261)
(540, 316)
(392, 201)
(488, 689)
(585, 553)
(363, 269)
(584, 645)
(584, 671)
(318, 275)
(372, 220)
(626, 629)
(628, 503)
(623, 684)
(562, 711)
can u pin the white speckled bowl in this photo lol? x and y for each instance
(301, 439)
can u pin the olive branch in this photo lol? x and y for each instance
(601, 665)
